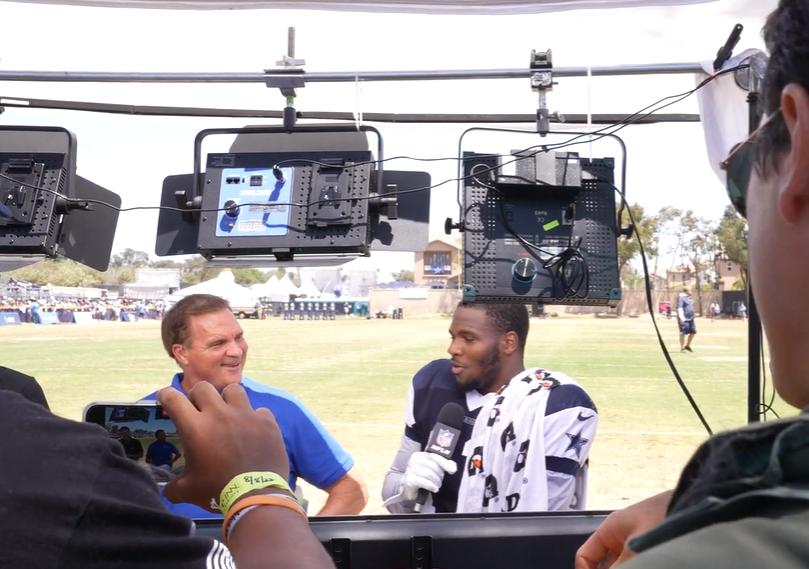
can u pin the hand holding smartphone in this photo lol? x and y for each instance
(195, 445)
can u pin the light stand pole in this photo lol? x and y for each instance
(754, 338)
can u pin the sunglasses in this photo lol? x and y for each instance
(738, 167)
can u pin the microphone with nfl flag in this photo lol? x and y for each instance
(443, 440)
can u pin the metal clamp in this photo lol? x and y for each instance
(287, 79)
(542, 82)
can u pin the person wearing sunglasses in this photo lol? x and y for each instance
(742, 501)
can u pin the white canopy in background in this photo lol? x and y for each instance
(276, 290)
(270, 290)
(466, 7)
(309, 290)
(223, 286)
(286, 286)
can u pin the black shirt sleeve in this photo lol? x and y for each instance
(69, 498)
(33, 392)
(25, 385)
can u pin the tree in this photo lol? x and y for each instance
(732, 241)
(403, 275)
(279, 273)
(129, 258)
(63, 272)
(699, 245)
(196, 270)
(647, 227)
(165, 264)
(248, 276)
(668, 219)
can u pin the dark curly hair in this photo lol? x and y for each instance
(786, 35)
(505, 318)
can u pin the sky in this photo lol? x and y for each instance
(667, 164)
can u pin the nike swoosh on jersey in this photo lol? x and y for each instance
(583, 418)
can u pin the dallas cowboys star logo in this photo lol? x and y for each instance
(577, 442)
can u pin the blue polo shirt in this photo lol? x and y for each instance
(314, 454)
(161, 452)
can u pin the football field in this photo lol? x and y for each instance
(353, 374)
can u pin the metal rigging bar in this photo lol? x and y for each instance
(340, 76)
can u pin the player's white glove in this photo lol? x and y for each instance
(425, 470)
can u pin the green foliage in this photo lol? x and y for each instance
(63, 272)
(130, 258)
(731, 238)
(196, 270)
(247, 277)
(650, 228)
(696, 239)
(404, 275)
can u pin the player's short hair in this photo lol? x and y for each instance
(174, 328)
(505, 318)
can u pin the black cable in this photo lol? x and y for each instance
(631, 119)
(559, 265)
(648, 282)
(766, 407)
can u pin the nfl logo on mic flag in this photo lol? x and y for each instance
(444, 438)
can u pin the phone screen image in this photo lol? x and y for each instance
(147, 435)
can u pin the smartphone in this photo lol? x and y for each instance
(146, 432)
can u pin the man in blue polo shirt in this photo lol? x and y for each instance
(202, 335)
(162, 452)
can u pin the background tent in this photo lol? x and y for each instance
(309, 290)
(287, 287)
(411, 6)
(272, 290)
(223, 286)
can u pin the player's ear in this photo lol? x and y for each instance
(510, 343)
(180, 355)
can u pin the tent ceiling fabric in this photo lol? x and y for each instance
(466, 7)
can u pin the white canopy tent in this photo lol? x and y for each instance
(223, 286)
(309, 290)
(271, 290)
(287, 287)
(460, 7)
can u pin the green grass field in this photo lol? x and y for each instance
(353, 374)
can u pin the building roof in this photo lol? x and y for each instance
(443, 241)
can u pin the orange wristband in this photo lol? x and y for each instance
(260, 500)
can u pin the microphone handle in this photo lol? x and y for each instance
(421, 499)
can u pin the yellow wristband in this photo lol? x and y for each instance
(247, 482)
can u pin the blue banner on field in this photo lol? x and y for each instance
(10, 319)
(46, 318)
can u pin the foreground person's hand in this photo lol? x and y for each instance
(607, 546)
(222, 437)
